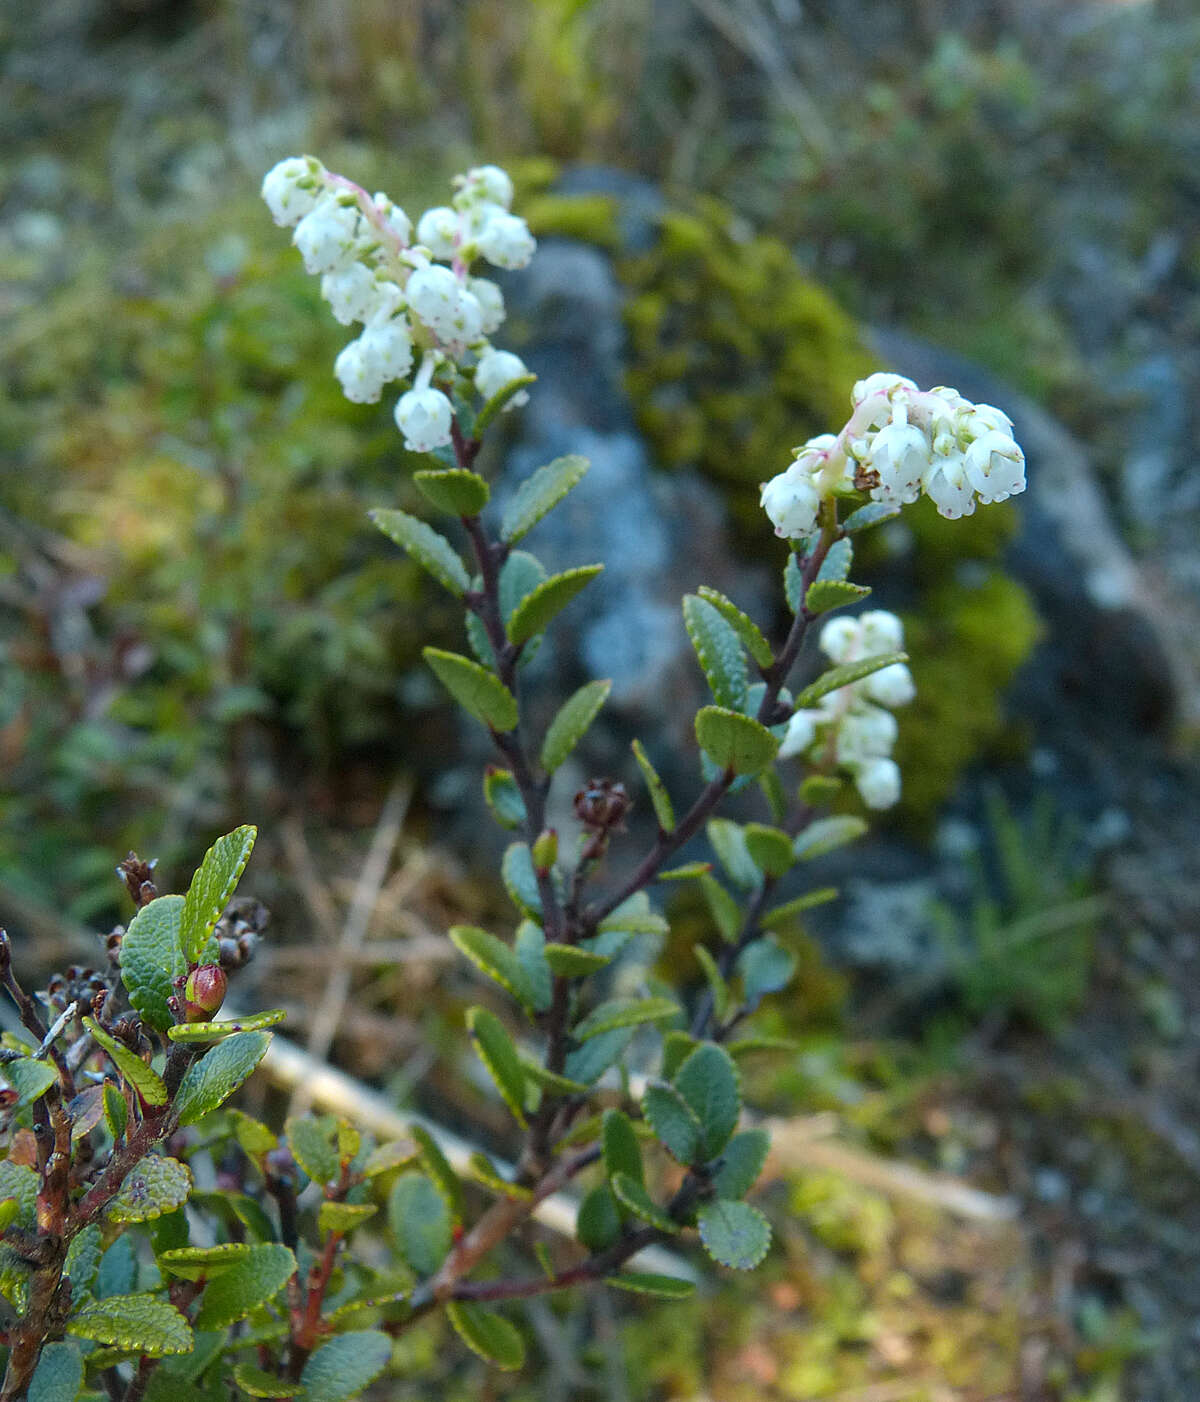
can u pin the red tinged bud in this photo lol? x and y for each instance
(204, 992)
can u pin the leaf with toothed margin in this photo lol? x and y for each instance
(431, 550)
(824, 595)
(344, 1365)
(741, 1163)
(479, 692)
(746, 629)
(734, 1233)
(624, 1012)
(569, 961)
(490, 1336)
(590, 1061)
(494, 958)
(144, 1079)
(733, 741)
(571, 723)
(770, 848)
(503, 797)
(708, 1081)
(634, 1198)
(218, 1031)
(420, 1221)
(139, 1323)
(256, 1278)
(212, 886)
(827, 834)
(495, 1049)
(673, 1123)
(715, 980)
(154, 1186)
(663, 809)
(152, 958)
(529, 945)
(846, 675)
(539, 493)
(437, 1165)
(598, 1222)
(535, 612)
(662, 1287)
(875, 513)
(729, 843)
(203, 1262)
(719, 650)
(619, 1142)
(30, 1079)
(210, 1081)
(454, 490)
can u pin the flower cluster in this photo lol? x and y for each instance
(413, 298)
(854, 724)
(901, 441)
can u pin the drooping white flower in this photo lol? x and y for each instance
(801, 732)
(467, 319)
(947, 487)
(496, 369)
(882, 382)
(995, 466)
(890, 686)
(792, 502)
(491, 303)
(878, 781)
(359, 373)
(327, 236)
(866, 733)
(291, 188)
(506, 242)
(488, 183)
(840, 639)
(880, 631)
(900, 454)
(434, 293)
(438, 230)
(389, 343)
(423, 416)
(350, 292)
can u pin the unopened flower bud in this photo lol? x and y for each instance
(204, 992)
(545, 850)
(601, 804)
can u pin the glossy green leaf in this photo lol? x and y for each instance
(534, 613)
(715, 980)
(770, 848)
(482, 1170)
(729, 843)
(454, 490)
(709, 1083)
(489, 1335)
(826, 594)
(719, 650)
(765, 967)
(30, 1079)
(689, 871)
(432, 551)
(116, 1111)
(781, 916)
(827, 834)
(570, 961)
(396, 1153)
(635, 917)
(673, 1123)
(539, 493)
(548, 1080)
(137, 1323)
(598, 1222)
(213, 884)
(218, 1031)
(520, 879)
(437, 1165)
(846, 675)
(571, 723)
(734, 1233)
(733, 741)
(420, 1222)
(494, 958)
(344, 1365)
(58, 1375)
(677, 1047)
(590, 1061)
(875, 513)
(257, 1382)
(624, 1012)
(503, 797)
(663, 809)
(154, 1186)
(479, 692)
(529, 945)
(495, 1049)
(203, 1262)
(146, 1081)
(210, 1081)
(742, 1161)
(837, 562)
(662, 1287)
(313, 1141)
(634, 1198)
(152, 959)
(723, 908)
(256, 1278)
(746, 629)
(619, 1143)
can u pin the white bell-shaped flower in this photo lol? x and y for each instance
(488, 183)
(433, 293)
(840, 639)
(350, 292)
(792, 503)
(947, 487)
(995, 466)
(359, 373)
(878, 781)
(880, 631)
(890, 686)
(801, 732)
(900, 454)
(438, 230)
(496, 369)
(506, 242)
(389, 343)
(491, 303)
(866, 733)
(423, 416)
(290, 189)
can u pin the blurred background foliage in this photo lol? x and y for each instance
(196, 628)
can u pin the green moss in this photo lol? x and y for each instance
(591, 218)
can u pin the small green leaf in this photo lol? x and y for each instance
(873, 514)
(663, 1287)
(152, 959)
(673, 1123)
(715, 979)
(493, 1338)
(213, 884)
(432, 551)
(154, 1186)
(765, 967)
(723, 908)
(733, 741)
(396, 1153)
(483, 1170)
(344, 1365)
(837, 562)
(634, 917)
(659, 797)
(826, 594)
(58, 1375)
(218, 1031)
(30, 1079)
(548, 1080)
(624, 1012)
(479, 692)
(570, 961)
(619, 1142)
(571, 723)
(203, 1262)
(769, 848)
(634, 1198)
(689, 871)
(719, 650)
(534, 612)
(734, 1233)
(819, 790)
(846, 675)
(590, 1061)
(677, 1047)
(741, 1163)
(539, 493)
(494, 958)
(529, 943)
(210, 1081)
(503, 797)
(118, 1267)
(793, 584)
(827, 834)
(420, 1222)
(520, 879)
(141, 1077)
(781, 916)
(312, 1140)
(454, 490)
(137, 1323)
(83, 1260)
(257, 1382)
(498, 400)
(746, 629)
(598, 1223)
(729, 843)
(116, 1111)
(495, 1049)
(437, 1165)
(709, 1083)
(256, 1278)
